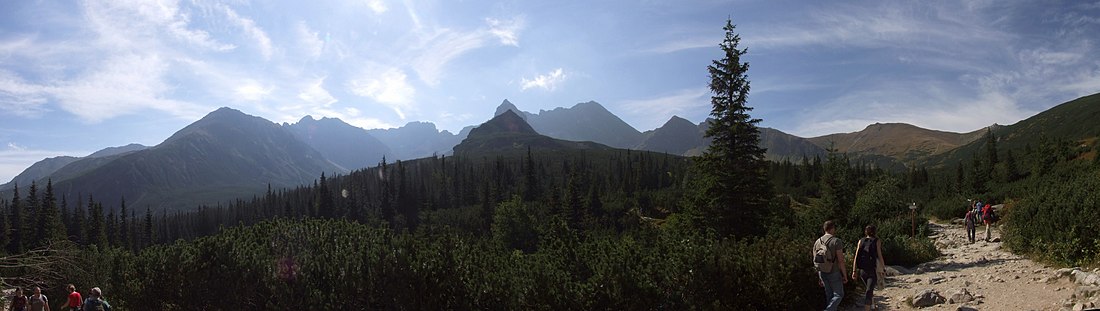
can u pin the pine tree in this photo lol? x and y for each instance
(734, 187)
(97, 230)
(147, 234)
(79, 231)
(17, 218)
(124, 226)
(29, 221)
(50, 228)
(5, 233)
(838, 187)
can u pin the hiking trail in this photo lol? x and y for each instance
(983, 276)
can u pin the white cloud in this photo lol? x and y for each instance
(548, 81)
(389, 87)
(378, 6)
(440, 48)
(120, 85)
(316, 95)
(506, 30)
(263, 42)
(684, 44)
(251, 90)
(310, 40)
(20, 98)
(129, 22)
(655, 111)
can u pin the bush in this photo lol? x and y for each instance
(1059, 219)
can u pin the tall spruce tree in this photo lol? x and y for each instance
(50, 228)
(17, 217)
(733, 184)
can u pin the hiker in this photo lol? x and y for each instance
(971, 225)
(73, 304)
(18, 301)
(986, 220)
(38, 301)
(868, 259)
(95, 301)
(828, 257)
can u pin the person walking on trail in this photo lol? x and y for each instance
(95, 301)
(828, 258)
(987, 218)
(868, 259)
(971, 225)
(38, 301)
(18, 301)
(73, 304)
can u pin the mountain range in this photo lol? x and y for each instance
(229, 154)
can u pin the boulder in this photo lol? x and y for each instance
(1086, 292)
(960, 295)
(1086, 278)
(927, 298)
(966, 308)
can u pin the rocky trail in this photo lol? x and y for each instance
(983, 276)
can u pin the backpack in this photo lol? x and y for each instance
(824, 260)
(867, 254)
(94, 304)
(37, 302)
(991, 216)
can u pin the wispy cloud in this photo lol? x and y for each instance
(310, 40)
(263, 42)
(655, 111)
(684, 44)
(378, 6)
(548, 81)
(389, 86)
(506, 30)
(251, 90)
(442, 47)
(315, 95)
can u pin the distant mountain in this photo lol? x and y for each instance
(677, 136)
(416, 140)
(588, 121)
(223, 156)
(1074, 120)
(110, 151)
(782, 146)
(904, 143)
(348, 146)
(509, 132)
(42, 169)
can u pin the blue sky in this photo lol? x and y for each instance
(78, 76)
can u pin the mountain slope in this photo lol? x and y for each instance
(42, 170)
(1074, 121)
(348, 146)
(223, 156)
(509, 132)
(588, 121)
(898, 141)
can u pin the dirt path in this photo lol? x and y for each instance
(994, 278)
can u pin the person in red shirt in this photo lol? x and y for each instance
(985, 218)
(74, 299)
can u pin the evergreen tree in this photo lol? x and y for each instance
(734, 188)
(97, 229)
(1011, 169)
(147, 234)
(838, 186)
(29, 221)
(79, 231)
(17, 219)
(5, 233)
(989, 155)
(49, 227)
(124, 226)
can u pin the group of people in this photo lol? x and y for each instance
(868, 265)
(979, 214)
(39, 302)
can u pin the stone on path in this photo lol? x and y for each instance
(1086, 292)
(927, 298)
(960, 295)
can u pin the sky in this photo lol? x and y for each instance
(77, 76)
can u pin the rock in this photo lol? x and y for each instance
(927, 298)
(966, 308)
(960, 295)
(936, 280)
(994, 240)
(1014, 277)
(1086, 278)
(1079, 307)
(1086, 292)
